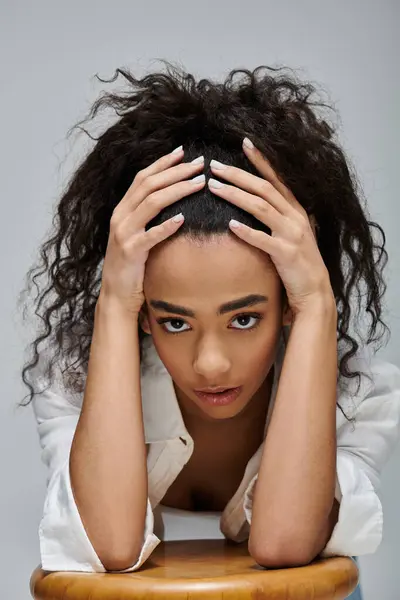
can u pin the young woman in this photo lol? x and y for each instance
(153, 318)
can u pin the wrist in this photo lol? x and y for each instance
(108, 304)
(321, 305)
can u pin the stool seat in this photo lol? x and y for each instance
(208, 569)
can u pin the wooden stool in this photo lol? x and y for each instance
(207, 569)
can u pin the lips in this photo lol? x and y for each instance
(220, 398)
(215, 390)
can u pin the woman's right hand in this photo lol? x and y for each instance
(160, 184)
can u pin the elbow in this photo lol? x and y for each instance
(120, 557)
(291, 550)
(282, 555)
(119, 561)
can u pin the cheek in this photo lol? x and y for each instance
(258, 361)
(259, 357)
(172, 358)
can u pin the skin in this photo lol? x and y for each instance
(282, 532)
(211, 349)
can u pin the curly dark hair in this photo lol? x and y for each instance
(161, 111)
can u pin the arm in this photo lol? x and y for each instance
(294, 510)
(108, 454)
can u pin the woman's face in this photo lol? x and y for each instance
(207, 349)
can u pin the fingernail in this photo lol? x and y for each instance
(248, 143)
(178, 218)
(177, 150)
(198, 179)
(235, 224)
(214, 183)
(198, 160)
(217, 165)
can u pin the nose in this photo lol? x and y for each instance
(212, 364)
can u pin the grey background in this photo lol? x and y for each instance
(50, 52)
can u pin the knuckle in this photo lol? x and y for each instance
(140, 176)
(233, 192)
(164, 225)
(146, 187)
(263, 209)
(114, 220)
(129, 246)
(299, 231)
(153, 200)
(152, 236)
(118, 236)
(125, 249)
(305, 224)
(266, 187)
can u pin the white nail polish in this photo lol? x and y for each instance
(198, 160)
(235, 224)
(198, 179)
(248, 143)
(217, 165)
(178, 218)
(214, 183)
(177, 150)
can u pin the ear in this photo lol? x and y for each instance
(143, 320)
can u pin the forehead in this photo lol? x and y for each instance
(197, 267)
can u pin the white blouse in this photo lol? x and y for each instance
(363, 448)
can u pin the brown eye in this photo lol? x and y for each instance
(245, 318)
(175, 328)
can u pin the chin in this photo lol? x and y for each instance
(220, 414)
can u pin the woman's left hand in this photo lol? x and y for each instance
(292, 246)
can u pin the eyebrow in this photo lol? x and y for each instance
(249, 300)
